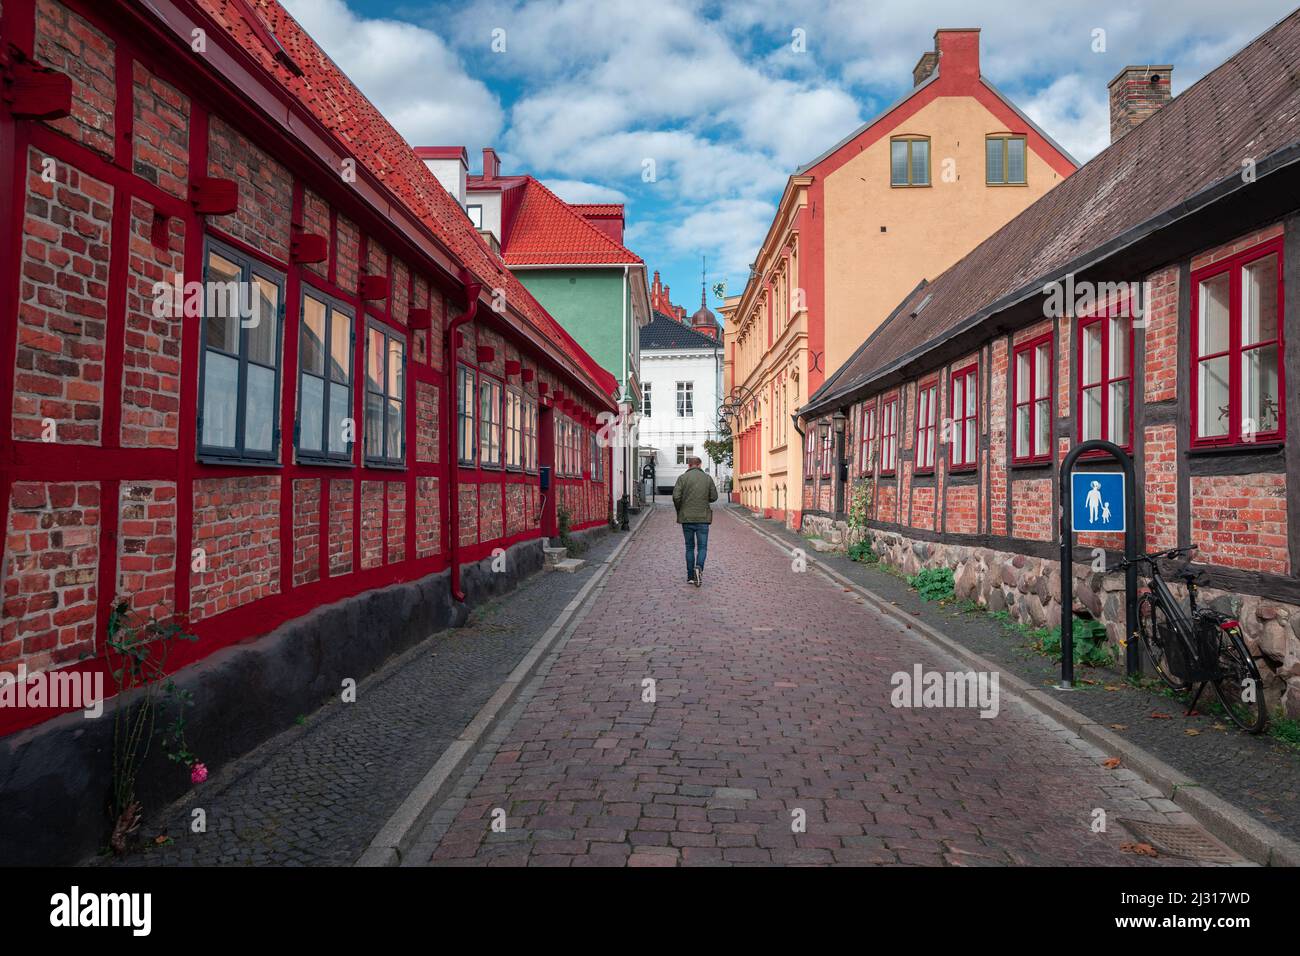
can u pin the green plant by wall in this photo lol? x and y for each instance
(137, 649)
(564, 522)
(934, 584)
(863, 551)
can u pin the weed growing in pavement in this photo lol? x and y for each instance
(1285, 729)
(933, 584)
(862, 552)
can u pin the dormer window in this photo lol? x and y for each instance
(909, 161)
(475, 215)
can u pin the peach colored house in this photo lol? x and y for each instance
(896, 202)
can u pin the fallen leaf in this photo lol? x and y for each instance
(1141, 849)
(1191, 713)
(1113, 687)
(1192, 732)
(160, 840)
(1157, 715)
(1220, 726)
(1110, 763)
(1119, 726)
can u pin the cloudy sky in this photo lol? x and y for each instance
(582, 93)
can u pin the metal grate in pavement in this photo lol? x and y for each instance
(1181, 840)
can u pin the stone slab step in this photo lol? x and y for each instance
(567, 565)
(550, 555)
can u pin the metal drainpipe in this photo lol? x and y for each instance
(451, 424)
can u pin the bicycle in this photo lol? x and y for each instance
(1198, 648)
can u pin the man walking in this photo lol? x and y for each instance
(691, 497)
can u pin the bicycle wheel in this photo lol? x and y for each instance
(1156, 631)
(1238, 686)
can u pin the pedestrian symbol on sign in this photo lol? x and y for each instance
(1098, 501)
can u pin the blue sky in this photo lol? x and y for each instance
(582, 93)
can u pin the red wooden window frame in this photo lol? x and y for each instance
(1235, 265)
(969, 376)
(889, 438)
(927, 427)
(810, 442)
(866, 435)
(1032, 399)
(1104, 318)
(827, 452)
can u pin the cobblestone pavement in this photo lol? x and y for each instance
(772, 701)
(1259, 774)
(317, 794)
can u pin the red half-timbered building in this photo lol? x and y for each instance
(362, 428)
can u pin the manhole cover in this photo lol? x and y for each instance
(1181, 840)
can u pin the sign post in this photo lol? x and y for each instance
(1097, 502)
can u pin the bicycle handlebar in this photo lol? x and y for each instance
(1155, 556)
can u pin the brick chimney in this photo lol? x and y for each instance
(956, 56)
(491, 165)
(1136, 93)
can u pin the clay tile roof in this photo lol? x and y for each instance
(339, 105)
(548, 231)
(598, 208)
(664, 333)
(1248, 106)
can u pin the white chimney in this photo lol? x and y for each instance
(450, 164)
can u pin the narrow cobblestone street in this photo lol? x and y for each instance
(760, 720)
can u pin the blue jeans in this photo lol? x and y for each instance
(696, 534)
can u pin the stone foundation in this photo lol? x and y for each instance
(1029, 590)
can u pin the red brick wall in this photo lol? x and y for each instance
(428, 518)
(468, 520)
(923, 508)
(51, 567)
(401, 291)
(160, 136)
(347, 254)
(1161, 488)
(1031, 509)
(316, 222)
(67, 43)
(237, 524)
(1240, 521)
(426, 422)
(151, 363)
(146, 546)
(372, 524)
(998, 437)
(63, 304)
(490, 519)
(265, 190)
(396, 522)
(1161, 352)
(516, 509)
(306, 531)
(962, 516)
(340, 526)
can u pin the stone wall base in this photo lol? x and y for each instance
(1029, 590)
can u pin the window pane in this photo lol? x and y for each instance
(395, 382)
(970, 442)
(374, 360)
(1090, 364)
(971, 386)
(1117, 427)
(1022, 431)
(920, 162)
(220, 400)
(1213, 323)
(1043, 428)
(340, 408)
(1212, 392)
(1042, 371)
(958, 397)
(341, 347)
(311, 350)
(1015, 160)
(1259, 389)
(263, 324)
(1022, 376)
(311, 418)
(394, 429)
(222, 304)
(993, 161)
(898, 162)
(259, 413)
(1091, 412)
(1259, 301)
(374, 426)
(1119, 360)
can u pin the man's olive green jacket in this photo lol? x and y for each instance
(691, 496)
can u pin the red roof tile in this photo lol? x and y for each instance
(546, 230)
(339, 105)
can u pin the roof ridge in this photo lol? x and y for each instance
(531, 180)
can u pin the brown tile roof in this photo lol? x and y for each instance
(1247, 107)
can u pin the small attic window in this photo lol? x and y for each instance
(269, 40)
(923, 303)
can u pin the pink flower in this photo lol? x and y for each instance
(198, 772)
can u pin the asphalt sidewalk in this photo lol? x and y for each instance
(1257, 775)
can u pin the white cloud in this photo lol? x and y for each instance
(392, 62)
(729, 230)
(575, 190)
(1073, 112)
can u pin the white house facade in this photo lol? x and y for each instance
(681, 385)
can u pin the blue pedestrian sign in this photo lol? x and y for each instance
(1097, 501)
